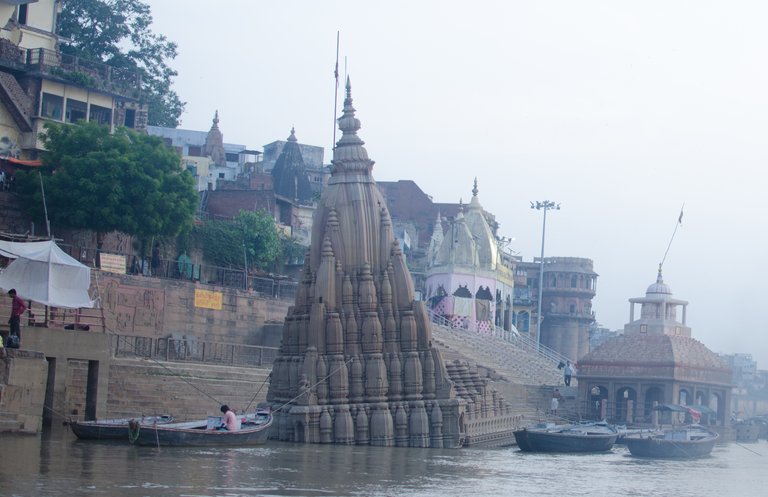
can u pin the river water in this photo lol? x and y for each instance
(57, 464)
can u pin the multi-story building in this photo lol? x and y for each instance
(569, 285)
(40, 84)
(207, 156)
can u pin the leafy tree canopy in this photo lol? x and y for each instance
(102, 181)
(251, 234)
(118, 33)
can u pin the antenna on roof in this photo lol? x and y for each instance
(335, 92)
(678, 223)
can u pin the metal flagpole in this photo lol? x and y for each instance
(678, 223)
(335, 92)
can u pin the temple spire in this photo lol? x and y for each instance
(350, 156)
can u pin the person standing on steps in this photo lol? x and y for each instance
(17, 309)
(568, 373)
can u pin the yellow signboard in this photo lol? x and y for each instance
(206, 299)
(113, 263)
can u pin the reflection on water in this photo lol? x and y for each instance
(56, 464)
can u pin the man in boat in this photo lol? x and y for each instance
(230, 420)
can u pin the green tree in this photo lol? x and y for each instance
(118, 33)
(251, 235)
(102, 181)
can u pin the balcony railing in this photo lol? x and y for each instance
(83, 72)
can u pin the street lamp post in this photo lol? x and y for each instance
(545, 206)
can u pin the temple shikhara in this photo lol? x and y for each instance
(357, 364)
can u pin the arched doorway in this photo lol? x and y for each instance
(654, 395)
(626, 399)
(597, 394)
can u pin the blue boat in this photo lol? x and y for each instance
(113, 429)
(685, 442)
(581, 437)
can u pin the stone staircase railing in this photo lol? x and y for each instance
(514, 337)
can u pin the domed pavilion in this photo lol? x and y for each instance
(655, 361)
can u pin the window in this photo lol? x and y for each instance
(221, 175)
(130, 118)
(101, 115)
(195, 151)
(22, 14)
(76, 111)
(231, 157)
(574, 281)
(644, 328)
(52, 106)
(572, 309)
(192, 169)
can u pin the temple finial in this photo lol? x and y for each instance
(474, 189)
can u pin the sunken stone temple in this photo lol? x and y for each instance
(357, 364)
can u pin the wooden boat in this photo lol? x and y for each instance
(674, 443)
(254, 430)
(113, 429)
(584, 437)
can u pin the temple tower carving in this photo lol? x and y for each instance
(357, 364)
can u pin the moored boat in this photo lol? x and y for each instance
(583, 437)
(113, 429)
(254, 430)
(685, 442)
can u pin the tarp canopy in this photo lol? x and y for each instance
(43, 273)
(670, 407)
(704, 409)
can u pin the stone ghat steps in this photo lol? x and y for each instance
(8, 422)
(506, 359)
(186, 391)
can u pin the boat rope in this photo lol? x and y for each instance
(257, 392)
(57, 413)
(351, 359)
(747, 448)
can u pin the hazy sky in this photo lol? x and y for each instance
(620, 111)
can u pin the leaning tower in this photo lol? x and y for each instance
(356, 364)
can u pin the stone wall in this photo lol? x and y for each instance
(152, 307)
(185, 391)
(23, 376)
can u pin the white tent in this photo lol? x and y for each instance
(43, 273)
